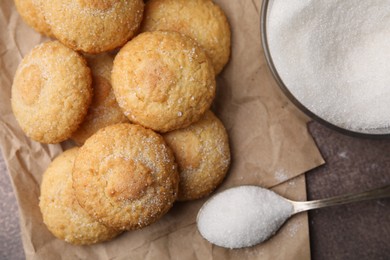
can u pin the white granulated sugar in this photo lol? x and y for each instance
(281, 175)
(293, 229)
(243, 216)
(334, 57)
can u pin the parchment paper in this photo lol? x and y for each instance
(269, 145)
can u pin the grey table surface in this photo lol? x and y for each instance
(10, 241)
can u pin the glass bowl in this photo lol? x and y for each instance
(371, 133)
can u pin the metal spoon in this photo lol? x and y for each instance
(244, 216)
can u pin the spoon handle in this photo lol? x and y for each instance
(379, 193)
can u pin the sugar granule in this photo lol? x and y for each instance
(334, 57)
(243, 216)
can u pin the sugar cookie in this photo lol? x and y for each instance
(125, 176)
(93, 26)
(60, 210)
(202, 154)
(104, 110)
(51, 92)
(31, 12)
(163, 80)
(202, 20)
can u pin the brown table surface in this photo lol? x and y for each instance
(354, 231)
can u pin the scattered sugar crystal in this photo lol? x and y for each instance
(281, 175)
(334, 57)
(243, 216)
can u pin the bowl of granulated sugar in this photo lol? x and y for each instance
(332, 59)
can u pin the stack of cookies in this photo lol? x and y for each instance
(132, 84)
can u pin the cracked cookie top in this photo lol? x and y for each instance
(163, 80)
(60, 210)
(93, 26)
(202, 154)
(51, 92)
(202, 20)
(125, 176)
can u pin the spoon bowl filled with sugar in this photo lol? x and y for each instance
(247, 215)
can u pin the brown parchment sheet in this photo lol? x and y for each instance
(269, 143)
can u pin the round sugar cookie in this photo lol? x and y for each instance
(202, 154)
(93, 26)
(202, 20)
(125, 176)
(104, 110)
(51, 92)
(31, 12)
(163, 80)
(60, 210)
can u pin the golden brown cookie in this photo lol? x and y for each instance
(202, 20)
(125, 176)
(93, 26)
(163, 80)
(104, 110)
(51, 92)
(60, 210)
(202, 154)
(31, 12)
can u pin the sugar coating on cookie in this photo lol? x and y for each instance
(60, 210)
(202, 154)
(51, 92)
(202, 20)
(125, 176)
(104, 109)
(163, 80)
(93, 26)
(31, 12)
